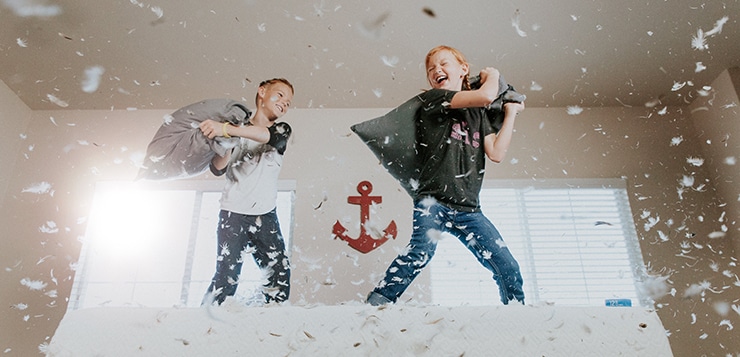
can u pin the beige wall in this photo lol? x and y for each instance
(716, 120)
(14, 116)
(77, 149)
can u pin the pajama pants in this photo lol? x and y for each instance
(239, 235)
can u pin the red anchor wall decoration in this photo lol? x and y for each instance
(365, 242)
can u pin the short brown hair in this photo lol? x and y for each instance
(273, 81)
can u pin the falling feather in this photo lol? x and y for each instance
(677, 86)
(651, 222)
(675, 141)
(389, 61)
(434, 235)
(372, 28)
(32, 8)
(655, 287)
(699, 42)
(694, 290)
(704, 91)
(695, 161)
(54, 99)
(515, 24)
(92, 79)
(727, 324)
(39, 188)
(158, 12)
(33, 284)
(663, 237)
(50, 227)
(717, 26)
(43, 259)
(574, 110)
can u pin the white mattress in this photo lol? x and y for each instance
(362, 330)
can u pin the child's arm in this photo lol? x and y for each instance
(482, 96)
(218, 163)
(496, 145)
(212, 129)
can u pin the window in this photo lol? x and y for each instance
(154, 244)
(575, 242)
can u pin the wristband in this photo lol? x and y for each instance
(223, 130)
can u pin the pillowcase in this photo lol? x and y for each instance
(180, 150)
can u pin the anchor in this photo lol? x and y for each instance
(365, 242)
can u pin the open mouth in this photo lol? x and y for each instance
(441, 79)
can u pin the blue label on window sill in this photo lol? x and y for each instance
(618, 302)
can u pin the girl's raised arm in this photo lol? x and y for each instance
(482, 96)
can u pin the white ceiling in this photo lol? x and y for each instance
(156, 54)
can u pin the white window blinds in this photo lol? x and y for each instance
(575, 242)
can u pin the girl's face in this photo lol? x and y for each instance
(445, 71)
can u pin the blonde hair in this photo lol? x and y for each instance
(273, 81)
(458, 56)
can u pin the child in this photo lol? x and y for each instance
(248, 221)
(453, 138)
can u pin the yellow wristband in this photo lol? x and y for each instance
(223, 129)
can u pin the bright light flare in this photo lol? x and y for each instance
(126, 222)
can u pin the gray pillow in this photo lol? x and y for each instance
(392, 137)
(179, 149)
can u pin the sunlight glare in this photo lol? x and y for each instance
(126, 222)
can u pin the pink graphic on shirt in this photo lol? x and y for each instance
(461, 132)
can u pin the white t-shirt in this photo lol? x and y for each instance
(252, 177)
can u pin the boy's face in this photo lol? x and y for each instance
(276, 99)
(445, 71)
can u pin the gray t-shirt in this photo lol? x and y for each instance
(450, 147)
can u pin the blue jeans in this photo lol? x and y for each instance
(260, 235)
(474, 230)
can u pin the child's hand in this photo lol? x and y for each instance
(513, 107)
(489, 71)
(210, 128)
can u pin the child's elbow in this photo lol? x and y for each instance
(496, 158)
